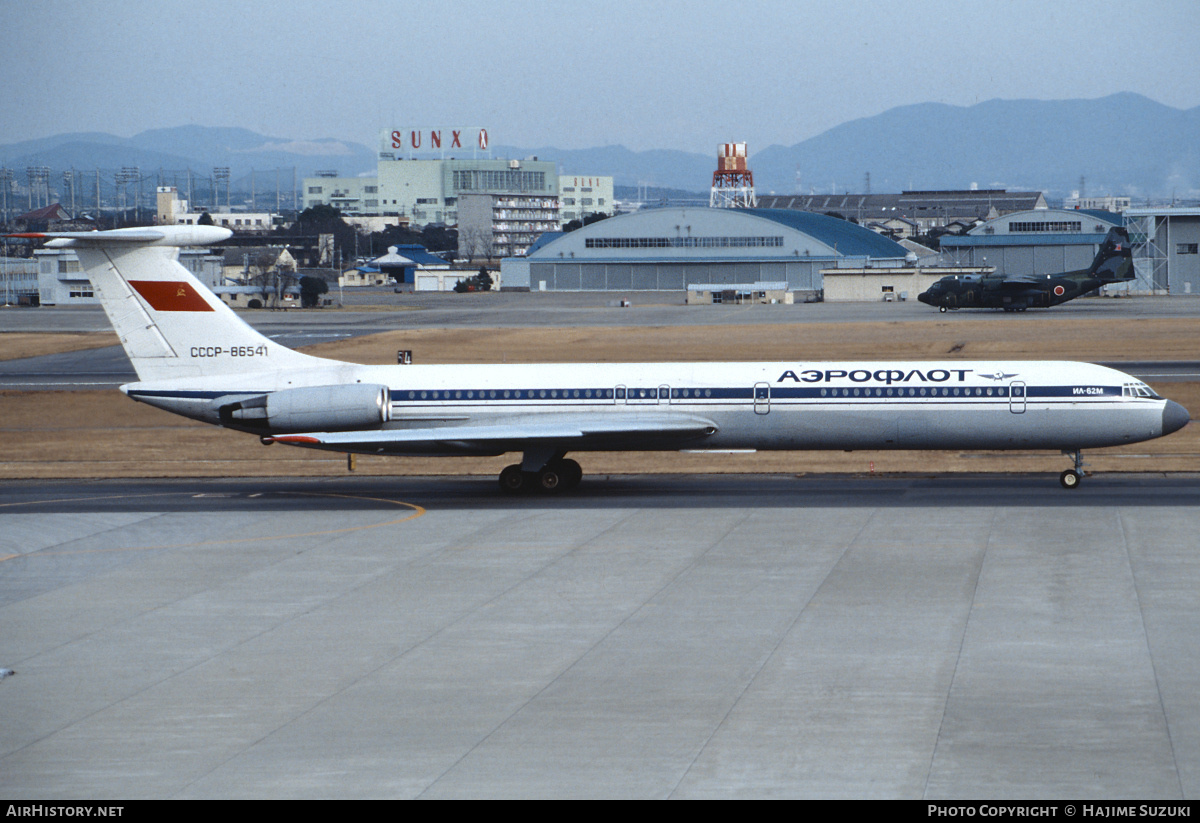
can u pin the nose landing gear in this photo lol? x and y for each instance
(1071, 478)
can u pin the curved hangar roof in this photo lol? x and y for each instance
(718, 234)
(1039, 227)
(1049, 221)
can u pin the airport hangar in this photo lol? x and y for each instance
(1037, 241)
(671, 248)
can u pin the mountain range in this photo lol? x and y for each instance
(199, 148)
(1121, 144)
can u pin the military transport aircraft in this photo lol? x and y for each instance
(195, 357)
(1113, 264)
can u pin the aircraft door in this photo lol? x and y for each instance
(636, 395)
(1016, 397)
(762, 398)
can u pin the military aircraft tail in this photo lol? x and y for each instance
(170, 323)
(1114, 261)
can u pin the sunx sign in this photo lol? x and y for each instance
(435, 139)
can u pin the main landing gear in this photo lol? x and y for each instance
(1071, 478)
(557, 475)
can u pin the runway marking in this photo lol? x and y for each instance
(417, 512)
(83, 499)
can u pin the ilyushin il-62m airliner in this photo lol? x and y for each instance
(195, 357)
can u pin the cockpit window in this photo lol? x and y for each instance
(1139, 390)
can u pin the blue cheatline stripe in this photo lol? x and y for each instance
(635, 394)
(748, 393)
(623, 393)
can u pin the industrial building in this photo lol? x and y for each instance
(1117, 204)
(171, 211)
(427, 191)
(20, 281)
(668, 248)
(739, 293)
(1166, 248)
(420, 189)
(242, 264)
(579, 196)
(405, 264)
(503, 225)
(888, 285)
(1037, 241)
(62, 282)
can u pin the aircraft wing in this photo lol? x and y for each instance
(511, 434)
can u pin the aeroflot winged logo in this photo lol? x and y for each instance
(170, 295)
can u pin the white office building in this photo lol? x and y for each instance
(411, 185)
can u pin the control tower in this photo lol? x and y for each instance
(733, 183)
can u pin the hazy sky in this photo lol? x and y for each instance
(650, 74)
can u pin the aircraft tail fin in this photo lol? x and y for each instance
(170, 323)
(1114, 261)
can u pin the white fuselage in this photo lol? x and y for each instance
(785, 405)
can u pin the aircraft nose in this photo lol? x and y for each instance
(925, 297)
(1175, 417)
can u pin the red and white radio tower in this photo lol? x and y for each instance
(733, 183)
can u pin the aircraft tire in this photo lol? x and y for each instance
(1069, 479)
(571, 473)
(942, 309)
(513, 480)
(550, 480)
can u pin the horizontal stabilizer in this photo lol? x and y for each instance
(158, 236)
